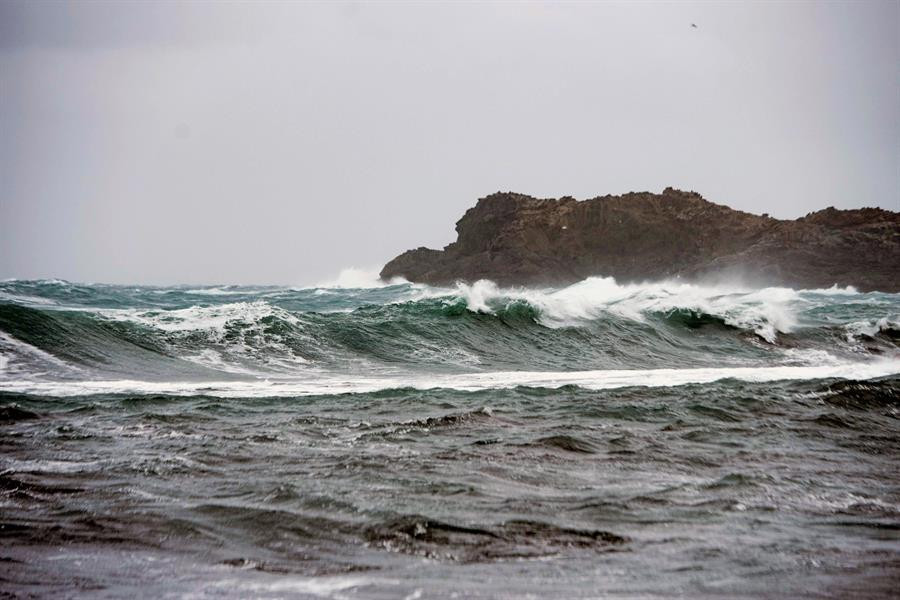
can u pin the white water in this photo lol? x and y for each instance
(594, 380)
(20, 359)
(194, 318)
(766, 311)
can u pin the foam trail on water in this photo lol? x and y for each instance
(594, 380)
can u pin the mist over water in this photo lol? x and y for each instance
(370, 439)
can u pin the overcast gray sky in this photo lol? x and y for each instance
(277, 143)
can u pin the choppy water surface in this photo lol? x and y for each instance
(405, 441)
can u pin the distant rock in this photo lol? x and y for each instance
(514, 239)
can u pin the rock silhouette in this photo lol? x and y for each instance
(515, 239)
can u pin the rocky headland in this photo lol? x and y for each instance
(514, 239)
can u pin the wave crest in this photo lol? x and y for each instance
(766, 312)
(283, 332)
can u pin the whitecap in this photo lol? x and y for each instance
(834, 290)
(766, 311)
(198, 317)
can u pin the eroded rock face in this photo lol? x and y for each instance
(514, 239)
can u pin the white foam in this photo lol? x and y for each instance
(26, 299)
(870, 328)
(810, 356)
(16, 351)
(213, 359)
(49, 466)
(211, 291)
(594, 380)
(244, 341)
(292, 586)
(835, 290)
(766, 311)
(198, 317)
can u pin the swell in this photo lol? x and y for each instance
(51, 343)
(259, 338)
(161, 333)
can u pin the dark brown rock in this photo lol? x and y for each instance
(514, 239)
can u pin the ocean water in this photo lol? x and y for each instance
(403, 441)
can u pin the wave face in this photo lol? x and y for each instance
(401, 440)
(53, 330)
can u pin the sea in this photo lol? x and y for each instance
(395, 440)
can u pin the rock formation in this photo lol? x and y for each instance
(514, 239)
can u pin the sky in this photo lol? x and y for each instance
(200, 142)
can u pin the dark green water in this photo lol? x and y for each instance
(407, 442)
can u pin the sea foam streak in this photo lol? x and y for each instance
(593, 380)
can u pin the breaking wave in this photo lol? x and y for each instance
(54, 330)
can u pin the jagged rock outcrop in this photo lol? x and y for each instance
(514, 239)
